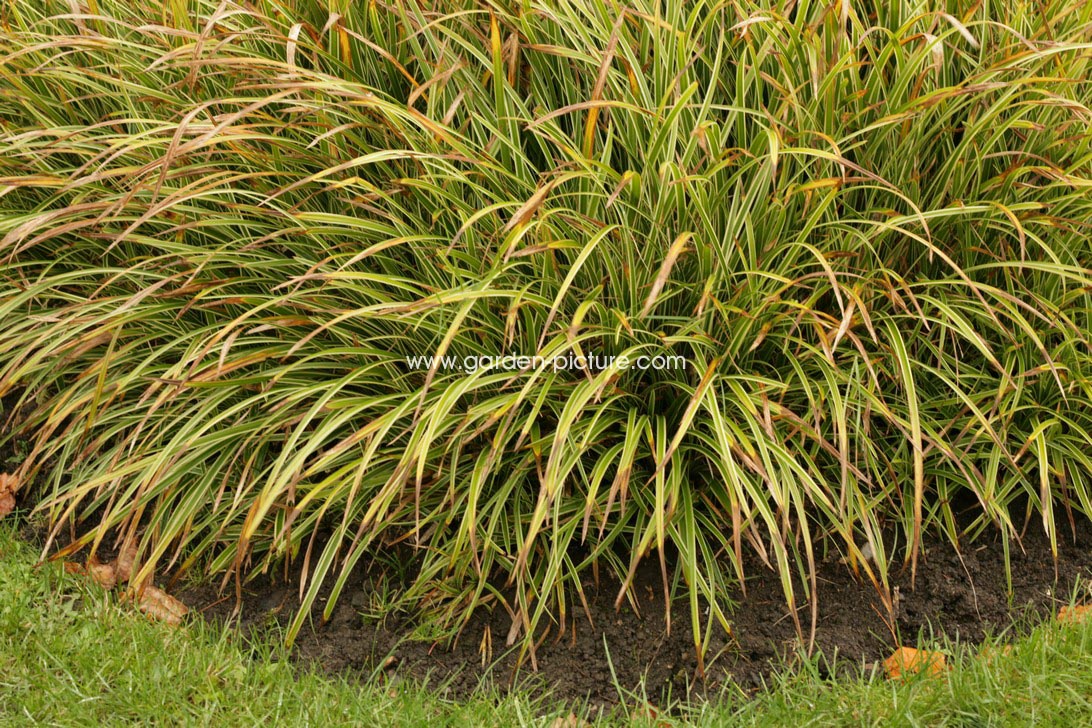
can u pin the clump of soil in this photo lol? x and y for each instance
(963, 596)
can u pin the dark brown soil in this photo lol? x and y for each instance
(961, 596)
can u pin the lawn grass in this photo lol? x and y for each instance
(70, 655)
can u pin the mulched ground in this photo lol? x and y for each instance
(963, 596)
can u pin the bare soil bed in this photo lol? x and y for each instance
(963, 596)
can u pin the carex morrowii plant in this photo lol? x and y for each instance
(238, 238)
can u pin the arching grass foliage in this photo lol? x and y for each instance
(225, 226)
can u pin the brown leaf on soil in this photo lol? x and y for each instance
(569, 721)
(125, 560)
(1075, 614)
(104, 575)
(648, 713)
(909, 661)
(71, 567)
(160, 605)
(8, 485)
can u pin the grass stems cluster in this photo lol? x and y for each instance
(224, 227)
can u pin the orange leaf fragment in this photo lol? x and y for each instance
(1075, 614)
(104, 574)
(125, 560)
(160, 605)
(8, 485)
(909, 661)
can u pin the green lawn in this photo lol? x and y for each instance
(70, 654)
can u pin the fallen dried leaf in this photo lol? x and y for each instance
(71, 567)
(125, 560)
(908, 661)
(160, 605)
(568, 721)
(104, 575)
(648, 713)
(8, 485)
(1075, 614)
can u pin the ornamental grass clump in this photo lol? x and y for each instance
(252, 253)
